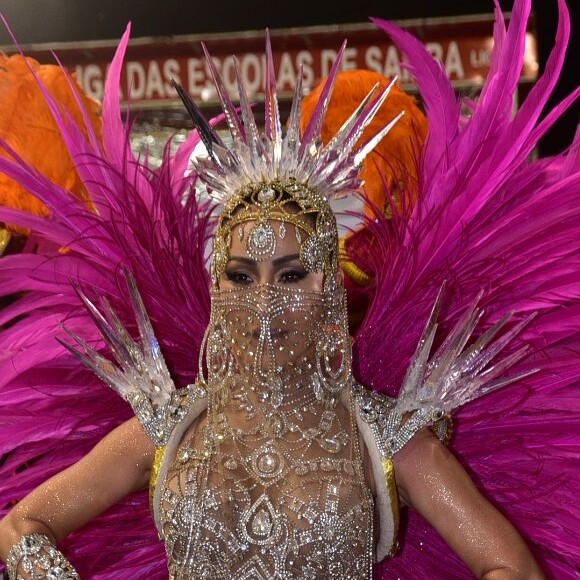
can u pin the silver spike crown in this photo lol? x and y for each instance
(270, 156)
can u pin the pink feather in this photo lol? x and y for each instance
(488, 217)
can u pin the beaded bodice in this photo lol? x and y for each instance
(256, 506)
(269, 483)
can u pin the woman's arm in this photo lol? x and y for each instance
(116, 466)
(430, 479)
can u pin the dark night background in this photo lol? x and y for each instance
(41, 21)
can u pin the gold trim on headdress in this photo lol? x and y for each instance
(286, 203)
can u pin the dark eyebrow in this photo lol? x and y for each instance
(243, 260)
(276, 262)
(285, 259)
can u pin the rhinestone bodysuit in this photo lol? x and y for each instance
(269, 483)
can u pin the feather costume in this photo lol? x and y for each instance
(485, 217)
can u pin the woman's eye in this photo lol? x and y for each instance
(241, 278)
(292, 276)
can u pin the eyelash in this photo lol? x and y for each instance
(292, 276)
(239, 278)
(287, 277)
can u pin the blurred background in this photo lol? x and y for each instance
(166, 44)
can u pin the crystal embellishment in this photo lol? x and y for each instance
(261, 241)
(267, 463)
(266, 195)
(262, 524)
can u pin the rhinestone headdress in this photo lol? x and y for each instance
(281, 176)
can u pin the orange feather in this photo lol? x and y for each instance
(27, 125)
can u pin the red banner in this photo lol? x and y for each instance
(461, 45)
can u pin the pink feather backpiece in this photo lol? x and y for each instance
(487, 218)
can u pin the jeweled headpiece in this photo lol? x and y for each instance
(270, 176)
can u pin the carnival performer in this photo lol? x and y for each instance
(274, 454)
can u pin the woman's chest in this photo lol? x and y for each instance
(259, 504)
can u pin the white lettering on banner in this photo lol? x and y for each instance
(251, 73)
(451, 60)
(388, 65)
(154, 82)
(349, 59)
(150, 80)
(136, 82)
(393, 63)
(91, 79)
(228, 75)
(171, 70)
(197, 80)
(286, 72)
(479, 57)
(453, 63)
(327, 57)
(435, 49)
(373, 59)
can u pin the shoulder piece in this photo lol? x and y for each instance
(159, 421)
(392, 428)
(385, 431)
(138, 371)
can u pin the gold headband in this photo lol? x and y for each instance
(283, 202)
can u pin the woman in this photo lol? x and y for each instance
(270, 480)
(273, 477)
(270, 463)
